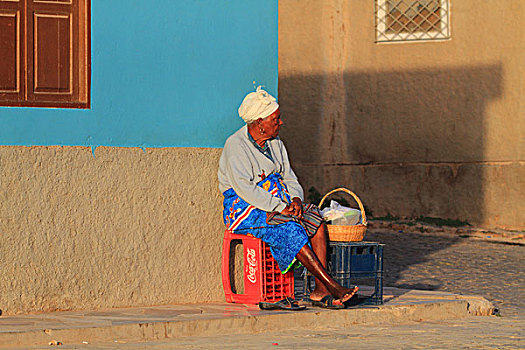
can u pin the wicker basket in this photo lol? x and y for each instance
(348, 233)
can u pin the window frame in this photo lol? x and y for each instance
(383, 37)
(81, 99)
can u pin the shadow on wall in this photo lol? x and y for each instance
(409, 143)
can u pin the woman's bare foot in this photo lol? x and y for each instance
(347, 294)
(317, 295)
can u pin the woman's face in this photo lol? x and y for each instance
(272, 124)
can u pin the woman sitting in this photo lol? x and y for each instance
(263, 198)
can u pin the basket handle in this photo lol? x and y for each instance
(363, 215)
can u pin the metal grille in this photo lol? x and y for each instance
(406, 20)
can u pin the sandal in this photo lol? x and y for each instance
(285, 304)
(328, 303)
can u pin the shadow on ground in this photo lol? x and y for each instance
(404, 250)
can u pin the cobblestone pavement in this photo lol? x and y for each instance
(447, 262)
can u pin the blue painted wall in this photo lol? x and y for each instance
(163, 73)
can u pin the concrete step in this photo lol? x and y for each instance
(172, 321)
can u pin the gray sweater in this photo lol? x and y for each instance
(242, 165)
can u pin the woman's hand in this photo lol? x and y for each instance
(287, 211)
(297, 206)
(294, 209)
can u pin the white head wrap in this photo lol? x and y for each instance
(258, 104)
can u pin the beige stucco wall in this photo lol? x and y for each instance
(416, 129)
(123, 228)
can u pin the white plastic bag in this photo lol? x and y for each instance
(341, 215)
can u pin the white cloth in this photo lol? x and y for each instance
(257, 105)
(241, 166)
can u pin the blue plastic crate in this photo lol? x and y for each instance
(349, 263)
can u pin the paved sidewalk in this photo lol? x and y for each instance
(176, 321)
(472, 333)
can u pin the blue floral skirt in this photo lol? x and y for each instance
(285, 238)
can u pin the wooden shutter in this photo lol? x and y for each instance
(12, 45)
(52, 53)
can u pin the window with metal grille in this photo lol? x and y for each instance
(407, 20)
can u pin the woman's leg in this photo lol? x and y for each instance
(320, 245)
(284, 237)
(309, 260)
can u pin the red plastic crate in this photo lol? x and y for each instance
(263, 280)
